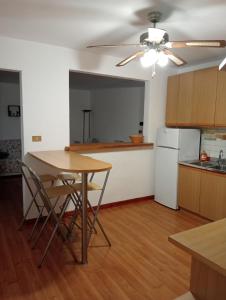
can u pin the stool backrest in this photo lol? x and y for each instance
(27, 171)
(41, 189)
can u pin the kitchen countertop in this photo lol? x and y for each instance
(207, 243)
(204, 165)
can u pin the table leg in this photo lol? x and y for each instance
(84, 219)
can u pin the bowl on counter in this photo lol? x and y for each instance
(136, 138)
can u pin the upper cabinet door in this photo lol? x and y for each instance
(204, 97)
(220, 113)
(184, 108)
(172, 100)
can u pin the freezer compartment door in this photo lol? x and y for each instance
(166, 175)
(168, 137)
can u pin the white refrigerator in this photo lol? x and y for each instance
(172, 145)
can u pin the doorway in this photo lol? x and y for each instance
(10, 141)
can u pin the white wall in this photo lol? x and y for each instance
(9, 126)
(45, 101)
(79, 100)
(117, 112)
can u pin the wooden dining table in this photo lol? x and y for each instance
(69, 161)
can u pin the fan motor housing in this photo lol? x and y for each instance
(145, 41)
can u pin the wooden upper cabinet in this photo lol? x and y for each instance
(220, 112)
(204, 97)
(172, 100)
(184, 108)
(213, 195)
(189, 188)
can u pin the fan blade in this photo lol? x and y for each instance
(174, 58)
(222, 66)
(203, 43)
(112, 46)
(129, 58)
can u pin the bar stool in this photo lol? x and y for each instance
(45, 178)
(67, 179)
(46, 195)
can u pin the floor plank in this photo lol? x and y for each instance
(141, 264)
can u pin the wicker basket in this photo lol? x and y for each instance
(136, 138)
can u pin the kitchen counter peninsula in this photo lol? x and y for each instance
(207, 246)
(68, 161)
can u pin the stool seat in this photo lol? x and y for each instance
(91, 186)
(47, 177)
(60, 190)
(64, 176)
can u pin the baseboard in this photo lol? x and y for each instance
(118, 203)
(104, 206)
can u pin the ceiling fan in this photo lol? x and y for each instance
(155, 46)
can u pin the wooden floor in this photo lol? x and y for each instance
(141, 264)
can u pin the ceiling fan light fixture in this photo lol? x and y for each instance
(149, 58)
(155, 35)
(162, 59)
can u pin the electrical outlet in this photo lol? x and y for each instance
(36, 138)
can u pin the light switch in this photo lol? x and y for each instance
(36, 138)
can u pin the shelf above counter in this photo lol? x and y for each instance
(108, 147)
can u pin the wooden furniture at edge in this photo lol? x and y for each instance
(189, 188)
(197, 99)
(68, 161)
(202, 192)
(207, 246)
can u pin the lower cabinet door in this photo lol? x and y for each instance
(213, 196)
(189, 188)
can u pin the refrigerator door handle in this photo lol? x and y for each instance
(168, 147)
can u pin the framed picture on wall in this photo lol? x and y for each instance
(14, 110)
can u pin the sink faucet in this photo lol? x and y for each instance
(220, 158)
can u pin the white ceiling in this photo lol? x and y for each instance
(78, 23)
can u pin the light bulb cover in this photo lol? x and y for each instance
(162, 59)
(155, 35)
(149, 58)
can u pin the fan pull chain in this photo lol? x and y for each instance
(153, 71)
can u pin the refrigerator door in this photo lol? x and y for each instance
(168, 137)
(189, 143)
(166, 173)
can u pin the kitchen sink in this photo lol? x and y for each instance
(219, 168)
(211, 165)
(206, 164)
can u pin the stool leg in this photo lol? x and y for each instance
(36, 223)
(100, 226)
(28, 209)
(44, 225)
(54, 231)
(98, 208)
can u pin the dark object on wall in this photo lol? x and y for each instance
(13, 110)
(86, 139)
(3, 154)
